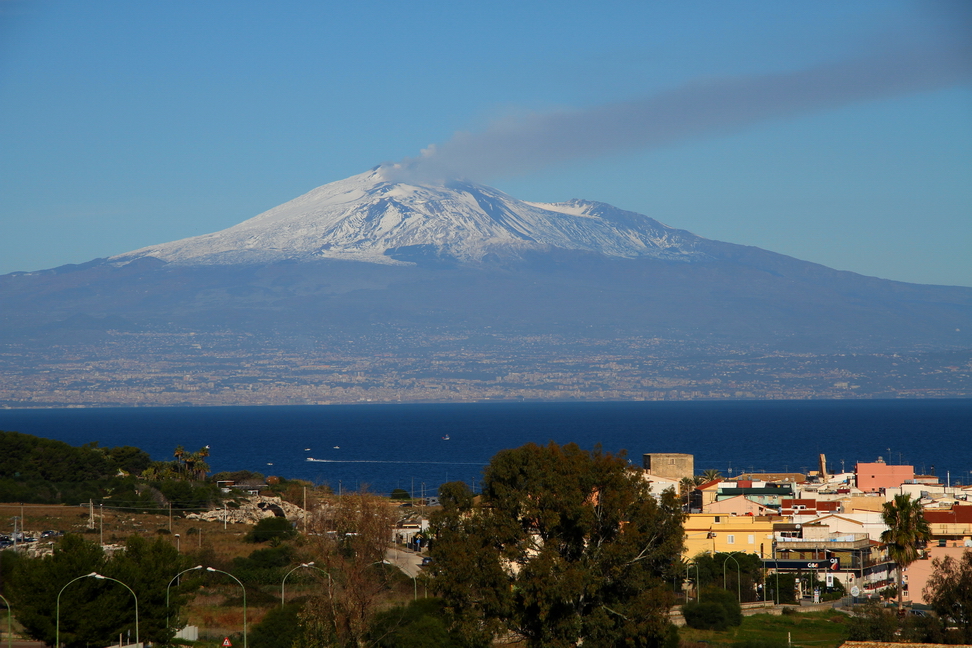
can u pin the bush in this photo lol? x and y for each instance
(280, 628)
(717, 610)
(271, 528)
(728, 601)
(400, 494)
(705, 616)
(420, 624)
(873, 623)
(265, 566)
(671, 637)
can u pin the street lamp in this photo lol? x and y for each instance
(211, 569)
(698, 580)
(9, 622)
(57, 608)
(100, 577)
(738, 576)
(284, 581)
(170, 585)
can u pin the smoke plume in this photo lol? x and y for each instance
(704, 108)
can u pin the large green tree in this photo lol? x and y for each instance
(564, 546)
(907, 529)
(949, 591)
(92, 610)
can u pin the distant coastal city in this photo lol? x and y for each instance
(143, 369)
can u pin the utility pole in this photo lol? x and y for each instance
(90, 514)
(170, 517)
(305, 510)
(101, 512)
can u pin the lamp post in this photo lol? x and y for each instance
(57, 609)
(170, 585)
(100, 577)
(301, 565)
(9, 622)
(698, 580)
(738, 575)
(211, 569)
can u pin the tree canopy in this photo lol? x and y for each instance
(563, 546)
(91, 610)
(949, 591)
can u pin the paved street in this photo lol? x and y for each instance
(408, 561)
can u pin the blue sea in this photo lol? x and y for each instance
(420, 446)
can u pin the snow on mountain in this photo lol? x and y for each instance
(367, 218)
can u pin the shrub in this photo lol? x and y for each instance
(717, 610)
(728, 602)
(705, 616)
(420, 624)
(280, 628)
(271, 528)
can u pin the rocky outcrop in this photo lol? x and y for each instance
(251, 511)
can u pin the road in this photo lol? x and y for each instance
(408, 561)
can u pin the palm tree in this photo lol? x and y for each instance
(179, 453)
(685, 485)
(711, 474)
(199, 468)
(906, 529)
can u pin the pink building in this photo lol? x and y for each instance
(738, 505)
(872, 477)
(916, 574)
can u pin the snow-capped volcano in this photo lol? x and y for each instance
(368, 218)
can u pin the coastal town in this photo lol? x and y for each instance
(824, 523)
(812, 542)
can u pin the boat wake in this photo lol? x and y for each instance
(379, 461)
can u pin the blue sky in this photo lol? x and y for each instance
(124, 124)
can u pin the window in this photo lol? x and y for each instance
(752, 539)
(730, 539)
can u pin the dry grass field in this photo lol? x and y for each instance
(217, 607)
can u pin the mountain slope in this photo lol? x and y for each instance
(364, 253)
(365, 218)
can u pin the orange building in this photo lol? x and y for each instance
(872, 477)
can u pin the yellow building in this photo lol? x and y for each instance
(714, 533)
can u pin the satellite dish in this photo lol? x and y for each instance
(799, 526)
